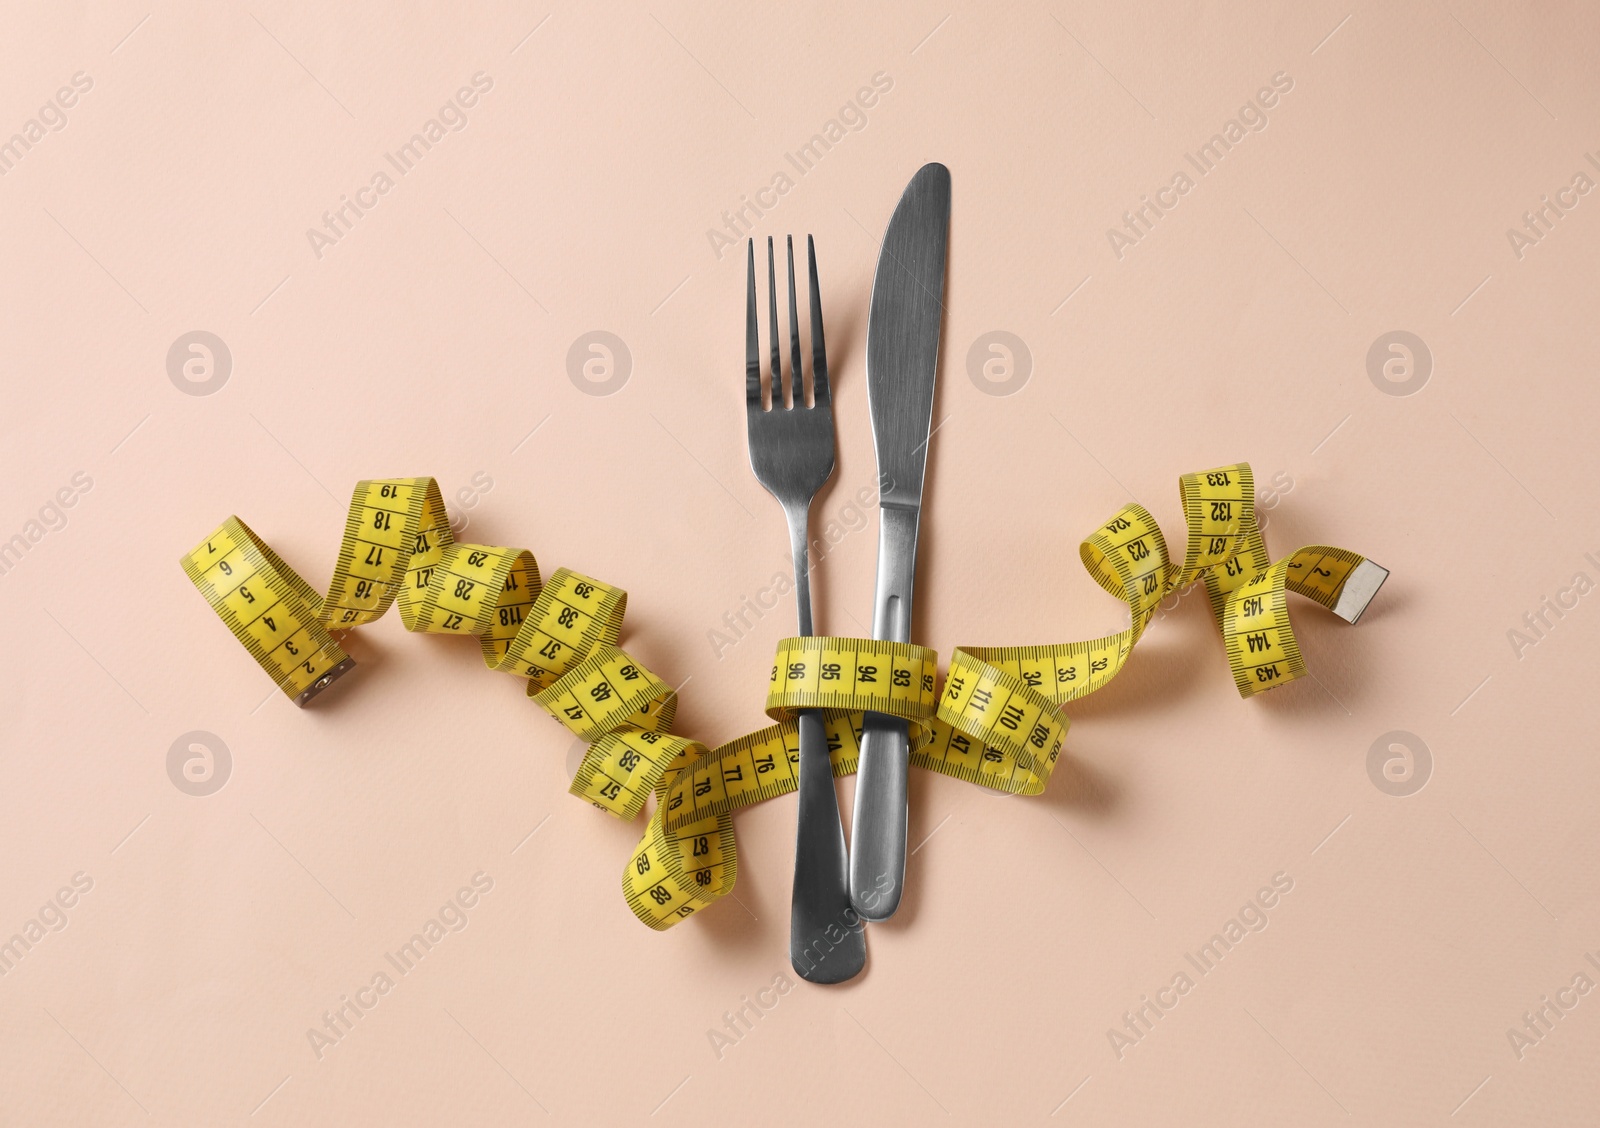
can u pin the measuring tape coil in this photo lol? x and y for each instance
(995, 721)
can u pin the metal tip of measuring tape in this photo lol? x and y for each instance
(1358, 590)
(324, 682)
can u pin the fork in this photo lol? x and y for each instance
(791, 453)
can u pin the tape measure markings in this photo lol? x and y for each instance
(286, 627)
(995, 721)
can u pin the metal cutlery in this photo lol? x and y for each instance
(792, 455)
(902, 365)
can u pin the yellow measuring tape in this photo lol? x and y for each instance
(996, 721)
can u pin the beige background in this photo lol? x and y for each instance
(433, 339)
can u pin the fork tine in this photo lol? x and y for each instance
(796, 369)
(752, 339)
(778, 399)
(819, 347)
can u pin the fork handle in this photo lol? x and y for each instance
(800, 549)
(827, 941)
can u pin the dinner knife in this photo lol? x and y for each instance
(903, 325)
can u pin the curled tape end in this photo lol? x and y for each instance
(1359, 588)
(324, 682)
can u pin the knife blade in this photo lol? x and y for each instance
(903, 325)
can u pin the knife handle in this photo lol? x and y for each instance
(878, 839)
(878, 842)
(897, 570)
